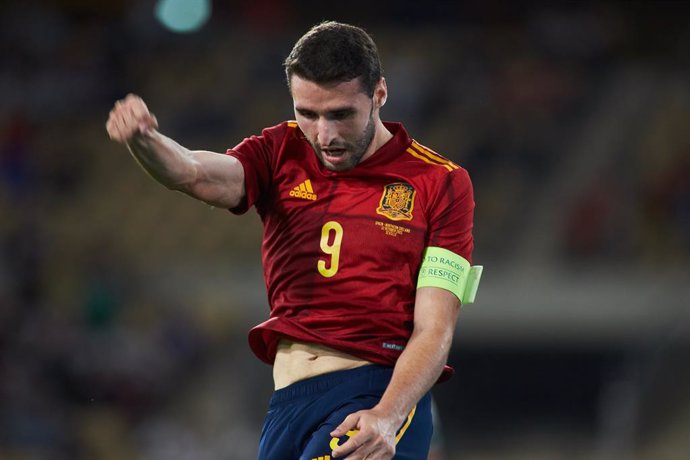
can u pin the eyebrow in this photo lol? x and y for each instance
(347, 110)
(343, 111)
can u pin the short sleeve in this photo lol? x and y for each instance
(452, 215)
(257, 156)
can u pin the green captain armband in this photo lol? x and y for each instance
(444, 269)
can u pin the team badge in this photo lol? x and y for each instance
(397, 201)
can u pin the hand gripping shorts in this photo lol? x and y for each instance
(302, 415)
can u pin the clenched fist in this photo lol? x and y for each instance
(130, 118)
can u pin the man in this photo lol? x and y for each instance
(367, 246)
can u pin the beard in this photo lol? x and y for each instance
(353, 151)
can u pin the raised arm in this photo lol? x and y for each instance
(207, 176)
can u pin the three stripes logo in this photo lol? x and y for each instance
(429, 156)
(304, 191)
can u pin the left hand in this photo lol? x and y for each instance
(374, 440)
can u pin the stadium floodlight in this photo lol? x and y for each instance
(183, 16)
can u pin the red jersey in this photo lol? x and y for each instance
(342, 249)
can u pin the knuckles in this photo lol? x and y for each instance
(126, 117)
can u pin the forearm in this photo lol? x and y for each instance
(421, 363)
(164, 159)
(416, 371)
(207, 176)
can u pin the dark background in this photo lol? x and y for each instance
(124, 307)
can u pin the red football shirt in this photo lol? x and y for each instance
(342, 250)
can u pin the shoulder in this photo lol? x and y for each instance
(418, 160)
(430, 160)
(270, 141)
(283, 130)
(434, 168)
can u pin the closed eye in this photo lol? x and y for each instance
(307, 114)
(341, 114)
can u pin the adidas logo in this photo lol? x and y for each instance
(304, 190)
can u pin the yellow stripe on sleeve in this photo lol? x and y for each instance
(424, 158)
(433, 155)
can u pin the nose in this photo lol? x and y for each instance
(325, 132)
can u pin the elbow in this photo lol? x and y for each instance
(184, 186)
(186, 179)
(218, 195)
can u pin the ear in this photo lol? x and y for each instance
(380, 93)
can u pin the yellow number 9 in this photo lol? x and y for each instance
(332, 249)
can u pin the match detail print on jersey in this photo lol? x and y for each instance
(397, 201)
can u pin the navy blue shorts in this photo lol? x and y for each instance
(302, 415)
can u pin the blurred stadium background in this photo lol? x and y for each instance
(124, 308)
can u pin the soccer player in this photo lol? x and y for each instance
(366, 250)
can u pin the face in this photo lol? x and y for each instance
(339, 120)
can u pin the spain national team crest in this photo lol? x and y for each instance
(397, 201)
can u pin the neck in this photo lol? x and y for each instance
(381, 136)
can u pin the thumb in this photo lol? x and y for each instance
(147, 125)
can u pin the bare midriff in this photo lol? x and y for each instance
(297, 361)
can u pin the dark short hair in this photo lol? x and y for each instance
(332, 52)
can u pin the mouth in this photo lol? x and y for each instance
(334, 156)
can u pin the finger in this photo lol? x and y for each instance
(146, 123)
(138, 108)
(348, 424)
(145, 120)
(353, 446)
(116, 130)
(132, 124)
(112, 125)
(130, 116)
(350, 448)
(116, 124)
(124, 127)
(132, 97)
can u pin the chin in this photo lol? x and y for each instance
(340, 166)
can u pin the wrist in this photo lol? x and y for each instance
(391, 412)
